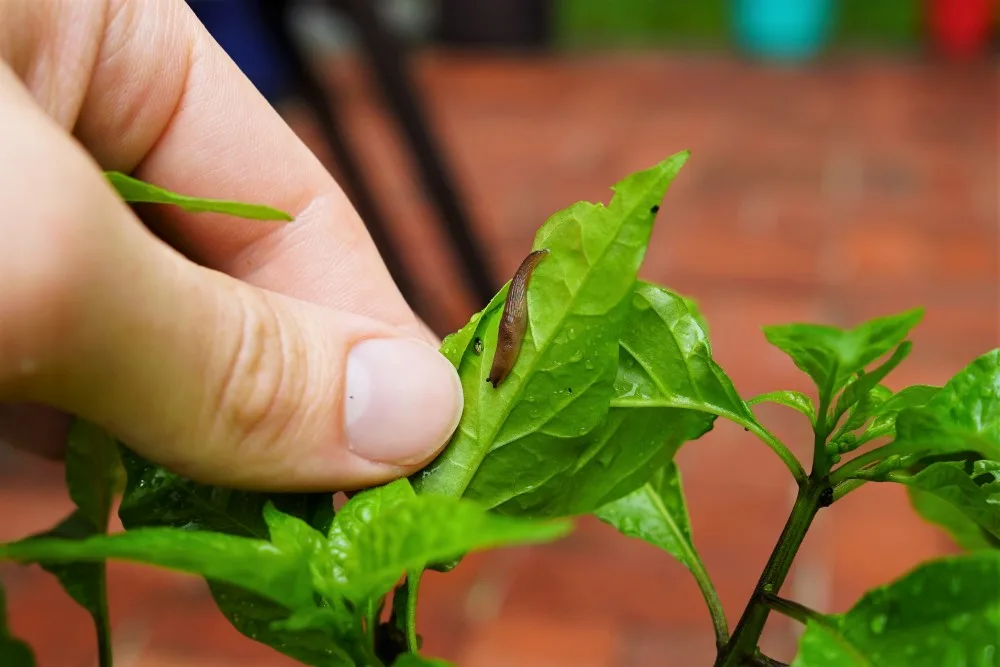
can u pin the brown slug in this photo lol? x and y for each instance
(514, 320)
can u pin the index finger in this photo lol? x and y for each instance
(162, 101)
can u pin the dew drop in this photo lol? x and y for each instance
(878, 623)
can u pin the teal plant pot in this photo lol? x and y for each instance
(783, 30)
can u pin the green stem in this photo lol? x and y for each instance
(715, 609)
(779, 448)
(821, 460)
(412, 590)
(743, 643)
(794, 610)
(845, 471)
(846, 487)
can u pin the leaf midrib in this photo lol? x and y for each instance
(541, 350)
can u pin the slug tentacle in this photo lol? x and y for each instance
(514, 320)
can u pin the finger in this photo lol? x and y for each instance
(162, 98)
(219, 380)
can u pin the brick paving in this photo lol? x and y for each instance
(834, 193)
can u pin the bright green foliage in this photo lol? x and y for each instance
(945, 612)
(133, 190)
(831, 356)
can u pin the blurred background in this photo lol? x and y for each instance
(844, 166)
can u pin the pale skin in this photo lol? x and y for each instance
(235, 352)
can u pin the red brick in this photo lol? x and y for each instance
(537, 640)
(877, 538)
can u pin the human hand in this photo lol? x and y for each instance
(275, 357)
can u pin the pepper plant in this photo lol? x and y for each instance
(612, 376)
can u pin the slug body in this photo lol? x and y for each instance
(514, 320)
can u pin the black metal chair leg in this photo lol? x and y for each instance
(386, 55)
(318, 98)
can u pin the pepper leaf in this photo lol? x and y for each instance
(945, 612)
(13, 651)
(977, 497)
(133, 190)
(795, 400)
(157, 497)
(656, 513)
(414, 660)
(966, 533)
(387, 531)
(643, 428)
(831, 356)
(534, 426)
(963, 415)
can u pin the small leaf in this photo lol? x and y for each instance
(792, 399)
(656, 513)
(255, 565)
(964, 531)
(263, 620)
(830, 356)
(133, 190)
(862, 386)
(885, 411)
(560, 388)
(963, 415)
(389, 532)
(156, 497)
(13, 651)
(414, 660)
(945, 612)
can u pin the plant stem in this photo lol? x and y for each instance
(857, 463)
(793, 610)
(743, 643)
(821, 460)
(715, 609)
(846, 487)
(779, 448)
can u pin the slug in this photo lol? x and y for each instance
(514, 320)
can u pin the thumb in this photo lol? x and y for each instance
(221, 381)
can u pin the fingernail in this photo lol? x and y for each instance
(402, 401)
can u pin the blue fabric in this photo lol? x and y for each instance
(239, 29)
(783, 29)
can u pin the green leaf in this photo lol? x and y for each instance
(945, 612)
(888, 408)
(954, 484)
(133, 190)
(963, 415)
(156, 497)
(386, 531)
(93, 475)
(964, 531)
(13, 651)
(862, 386)
(535, 424)
(332, 644)
(639, 435)
(256, 565)
(414, 660)
(792, 399)
(657, 513)
(830, 356)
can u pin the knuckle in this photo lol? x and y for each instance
(258, 398)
